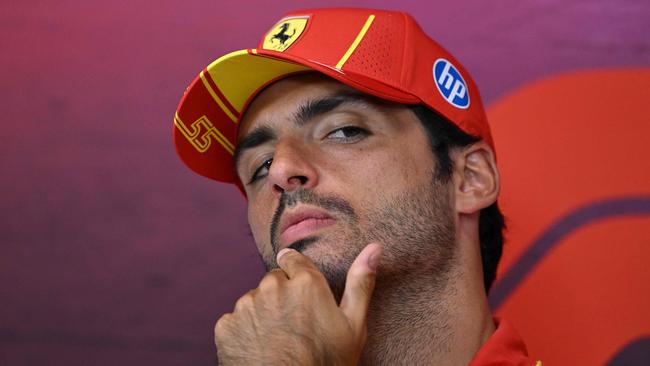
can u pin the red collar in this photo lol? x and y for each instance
(504, 348)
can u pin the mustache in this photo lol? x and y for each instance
(331, 204)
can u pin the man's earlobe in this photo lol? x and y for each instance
(476, 178)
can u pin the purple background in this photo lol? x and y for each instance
(112, 252)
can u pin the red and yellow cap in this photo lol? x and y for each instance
(382, 53)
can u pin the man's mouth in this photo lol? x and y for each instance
(300, 223)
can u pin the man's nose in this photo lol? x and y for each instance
(292, 167)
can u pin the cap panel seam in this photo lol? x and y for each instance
(404, 70)
(355, 43)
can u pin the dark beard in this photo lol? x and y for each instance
(416, 229)
(418, 232)
(335, 206)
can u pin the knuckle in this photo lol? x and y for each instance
(270, 282)
(221, 326)
(365, 291)
(357, 271)
(305, 277)
(245, 302)
(363, 286)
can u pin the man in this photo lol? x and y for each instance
(365, 155)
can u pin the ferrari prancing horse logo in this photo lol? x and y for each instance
(284, 33)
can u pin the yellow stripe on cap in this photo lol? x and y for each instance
(240, 74)
(356, 42)
(216, 98)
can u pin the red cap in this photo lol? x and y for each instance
(382, 53)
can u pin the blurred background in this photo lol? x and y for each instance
(111, 250)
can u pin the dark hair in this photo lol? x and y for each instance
(444, 136)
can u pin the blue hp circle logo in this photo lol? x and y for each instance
(450, 83)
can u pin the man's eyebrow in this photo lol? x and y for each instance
(317, 107)
(257, 137)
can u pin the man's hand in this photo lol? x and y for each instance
(292, 317)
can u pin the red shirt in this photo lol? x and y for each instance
(504, 348)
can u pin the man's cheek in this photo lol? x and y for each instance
(260, 228)
(261, 237)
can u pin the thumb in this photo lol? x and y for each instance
(360, 284)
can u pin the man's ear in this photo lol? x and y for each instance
(476, 178)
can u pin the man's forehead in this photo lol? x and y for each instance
(286, 96)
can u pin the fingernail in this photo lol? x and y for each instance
(281, 253)
(373, 260)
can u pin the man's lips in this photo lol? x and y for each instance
(300, 223)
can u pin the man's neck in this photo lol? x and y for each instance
(423, 321)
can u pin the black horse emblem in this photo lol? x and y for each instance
(282, 35)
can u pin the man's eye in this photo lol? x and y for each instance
(348, 134)
(261, 171)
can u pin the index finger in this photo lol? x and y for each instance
(293, 262)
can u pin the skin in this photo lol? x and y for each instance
(321, 305)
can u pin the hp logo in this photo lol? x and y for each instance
(450, 83)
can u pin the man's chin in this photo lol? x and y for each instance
(332, 260)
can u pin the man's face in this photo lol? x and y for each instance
(327, 170)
